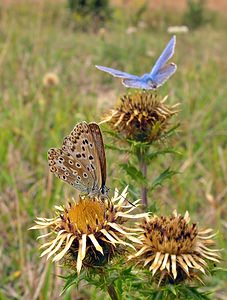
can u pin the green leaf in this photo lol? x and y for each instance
(72, 279)
(188, 292)
(114, 134)
(171, 131)
(138, 145)
(155, 154)
(134, 173)
(163, 176)
(123, 150)
(172, 289)
(217, 270)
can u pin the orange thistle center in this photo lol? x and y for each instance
(84, 216)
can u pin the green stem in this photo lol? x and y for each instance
(112, 292)
(141, 155)
(143, 169)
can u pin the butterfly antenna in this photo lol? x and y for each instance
(122, 197)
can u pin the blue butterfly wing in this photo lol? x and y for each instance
(163, 74)
(136, 84)
(164, 57)
(117, 73)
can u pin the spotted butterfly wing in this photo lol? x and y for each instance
(81, 160)
(97, 136)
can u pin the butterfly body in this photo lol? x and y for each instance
(81, 160)
(159, 74)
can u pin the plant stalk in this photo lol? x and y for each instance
(143, 169)
(112, 292)
(141, 156)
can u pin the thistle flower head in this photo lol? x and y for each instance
(90, 231)
(174, 249)
(141, 116)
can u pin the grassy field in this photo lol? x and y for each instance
(39, 38)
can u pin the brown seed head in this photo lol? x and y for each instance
(141, 116)
(174, 249)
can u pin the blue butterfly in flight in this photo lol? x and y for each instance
(159, 74)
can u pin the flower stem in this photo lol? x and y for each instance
(143, 169)
(141, 156)
(112, 292)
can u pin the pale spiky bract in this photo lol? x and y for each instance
(173, 249)
(141, 116)
(89, 232)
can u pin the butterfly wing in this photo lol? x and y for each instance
(97, 136)
(164, 57)
(136, 83)
(77, 161)
(117, 73)
(163, 74)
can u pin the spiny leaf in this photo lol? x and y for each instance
(134, 173)
(137, 144)
(163, 176)
(72, 279)
(188, 292)
(114, 134)
(123, 150)
(153, 155)
(171, 131)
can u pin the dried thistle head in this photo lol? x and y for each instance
(89, 232)
(175, 250)
(141, 116)
(50, 79)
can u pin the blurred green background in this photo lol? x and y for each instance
(48, 83)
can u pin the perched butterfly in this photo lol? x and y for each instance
(81, 160)
(159, 74)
